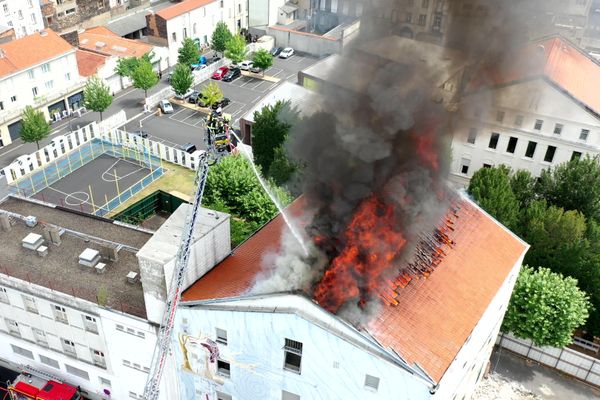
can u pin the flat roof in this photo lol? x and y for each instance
(60, 269)
(305, 100)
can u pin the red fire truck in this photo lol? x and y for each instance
(30, 386)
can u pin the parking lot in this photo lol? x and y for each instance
(186, 125)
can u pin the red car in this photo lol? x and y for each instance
(220, 73)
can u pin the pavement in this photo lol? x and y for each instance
(542, 381)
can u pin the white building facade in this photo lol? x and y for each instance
(24, 16)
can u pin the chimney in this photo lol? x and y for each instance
(2, 54)
(4, 222)
(55, 236)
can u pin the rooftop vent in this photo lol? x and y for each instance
(84, 41)
(43, 33)
(32, 241)
(31, 221)
(120, 49)
(100, 44)
(2, 53)
(89, 257)
(132, 277)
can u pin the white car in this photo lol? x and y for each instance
(286, 53)
(185, 95)
(246, 65)
(165, 106)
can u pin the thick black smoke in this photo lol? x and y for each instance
(385, 122)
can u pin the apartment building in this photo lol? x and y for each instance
(194, 19)
(24, 16)
(540, 112)
(237, 345)
(38, 70)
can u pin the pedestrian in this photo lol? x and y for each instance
(159, 74)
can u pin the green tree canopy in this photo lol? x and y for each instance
(262, 59)
(212, 94)
(144, 76)
(96, 95)
(282, 168)
(523, 186)
(235, 49)
(574, 185)
(270, 130)
(126, 66)
(34, 126)
(545, 307)
(182, 78)
(220, 37)
(188, 52)
(490, 187)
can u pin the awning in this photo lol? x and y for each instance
(288, 8)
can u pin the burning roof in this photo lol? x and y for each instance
(430, 307)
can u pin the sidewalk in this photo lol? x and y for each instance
(542, 381)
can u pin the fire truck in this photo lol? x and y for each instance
(40, 386)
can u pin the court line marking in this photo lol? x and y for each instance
(81, 201)
(114, 175)
(66, 194)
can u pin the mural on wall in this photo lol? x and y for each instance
(197, 360)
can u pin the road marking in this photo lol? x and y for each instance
(8, 151)
(291, 76)
(125, 94)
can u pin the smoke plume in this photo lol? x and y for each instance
(376, 156)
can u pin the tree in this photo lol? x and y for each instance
(546, 308)
(220, 37)
(235, 49)
(270, 130)
(188, 52)
(263, 60)
(281, 169)
(574, 185)
(212, 94)
(34, 126)
(182, 78)
(126, 66)
(96, 95)
(523, 186)
(144, 76)
(490, 187)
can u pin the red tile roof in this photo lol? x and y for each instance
(104, 41)
(434, 317)
(30, 50)
(89, 62)
(182, 8)
(557, 60)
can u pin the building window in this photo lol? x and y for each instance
(371, 382)
(46, 67)
(184, 33)
(40, 336)
(33, 21)
(422, 19)
(293, 355)
(5, 8)
(285, 395)
(550, 154)
(13, 98)
(49, 361)
(558, 129)
(70, 11)
(424, 3)
(221, 336)
(494, 140)
(576, 155)
(104, 381)
(60, 314)
(437, 23)
(223, 396)
(68, 76)
(530, 149)
(538, 124)
(50, 84)
(194, 28)
(1, 105)
(174, 36)
(69, 347)
(223, 368)
(29, 303)
(464, 165)
(21, 351)
(519, 120)
(512, 145)
(239, 8)
(584, 134)
(472, 136)
(98, 358)
(34, 91)
(500, 116)
(90, 324)
(20, 14)
(77, 372)
(487, 165)
(408, 18)
(13, 327)
(30, 74)
(3, 295)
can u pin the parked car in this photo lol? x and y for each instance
(275, 51)
(223, 103)
(188, 147)
(246, 65)
(166, 106)
(201, 61)
(140, 133)
(286, 53)
(256, 70)
(220, 73)
(185, 95)
(193, 98)
(232, 74)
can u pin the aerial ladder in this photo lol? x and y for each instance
(165, 332)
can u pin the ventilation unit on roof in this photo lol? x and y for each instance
(100, 44)
(119, 48)
(84, 41)
(43, 33)
(2, 53)
(89, 257)
(31, 221)
(32, 241)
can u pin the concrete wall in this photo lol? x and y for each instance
(304, 42)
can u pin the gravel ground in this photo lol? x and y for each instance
(495, 387)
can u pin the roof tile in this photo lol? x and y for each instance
(182, 8)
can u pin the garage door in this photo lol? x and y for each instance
(14, 130)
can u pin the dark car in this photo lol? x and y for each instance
(194, 97)
(142, 134)
(223, 103)
(275, 51)
(232, 74)
(188, 147)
